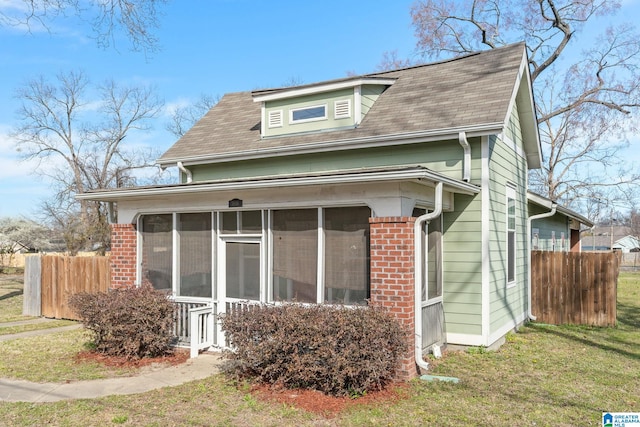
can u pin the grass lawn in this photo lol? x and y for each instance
(11, 298)
(543, 376)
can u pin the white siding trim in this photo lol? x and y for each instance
(357, 107)
(507, 327)
(263, 122)
(465, 339)
(486, 256)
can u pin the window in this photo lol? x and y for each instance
(157, 251)
(242, 222)
(511, 234)
(195, 254)
(308, 114)
(346, 255)
(295, 255)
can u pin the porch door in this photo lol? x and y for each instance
(240, 270)
(433, 332)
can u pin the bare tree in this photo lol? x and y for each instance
(137, 19)
(184, 117)
(80, 145)
(585, 99)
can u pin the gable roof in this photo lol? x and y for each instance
(472, 94)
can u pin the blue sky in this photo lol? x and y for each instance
(207, 46)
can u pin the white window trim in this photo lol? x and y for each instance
(510, 193)
(314, 119)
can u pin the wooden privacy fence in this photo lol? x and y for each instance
(574, 287)
(56, 278)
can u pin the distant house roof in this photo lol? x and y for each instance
(627, 244)
(473, 93)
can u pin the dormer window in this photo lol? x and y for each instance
(308, 114)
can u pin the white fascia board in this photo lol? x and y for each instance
(343, 144)
(534, 153)
(547, 203)
(327, 87)
(420, 175)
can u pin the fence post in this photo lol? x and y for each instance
(31, 302)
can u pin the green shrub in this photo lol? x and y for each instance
(337, 350)
(134, 323)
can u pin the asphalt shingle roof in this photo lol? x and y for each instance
(464, 92)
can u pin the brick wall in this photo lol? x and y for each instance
(392, 277)
(123, 255)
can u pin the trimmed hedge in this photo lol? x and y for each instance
(133, 323)
(337, 350)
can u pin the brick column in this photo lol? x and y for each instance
(123, 255)
(392, 277)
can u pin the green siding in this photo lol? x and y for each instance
(369, 95)
(443, 156)
(327, 98)
(462, 258)
(507, 303)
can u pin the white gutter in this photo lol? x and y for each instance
(186, 172)
(466, 166)
(552, 212)
(417, 268)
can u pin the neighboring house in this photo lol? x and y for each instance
(406, 188)
(627, 244)
(604, 237)
(554, 227)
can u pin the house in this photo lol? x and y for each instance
(405, 189)
(554, 227)
(604, 237)
(627, 244)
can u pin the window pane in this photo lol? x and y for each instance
(511, 256)
(308, 113)
(346, 256)
(243, 270)
(157, 244)
(251, 221)
(229, 222)
(295, 255)
(195, 254)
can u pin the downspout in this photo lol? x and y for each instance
(111, 213)
(466, 166)
(186, 172)
(417, 230)
(552, 212)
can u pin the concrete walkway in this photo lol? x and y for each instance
(149, 378)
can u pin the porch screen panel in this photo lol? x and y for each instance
(157, 247)
(295, 255)
(434, 258)
(346, 256)
(195, 254)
